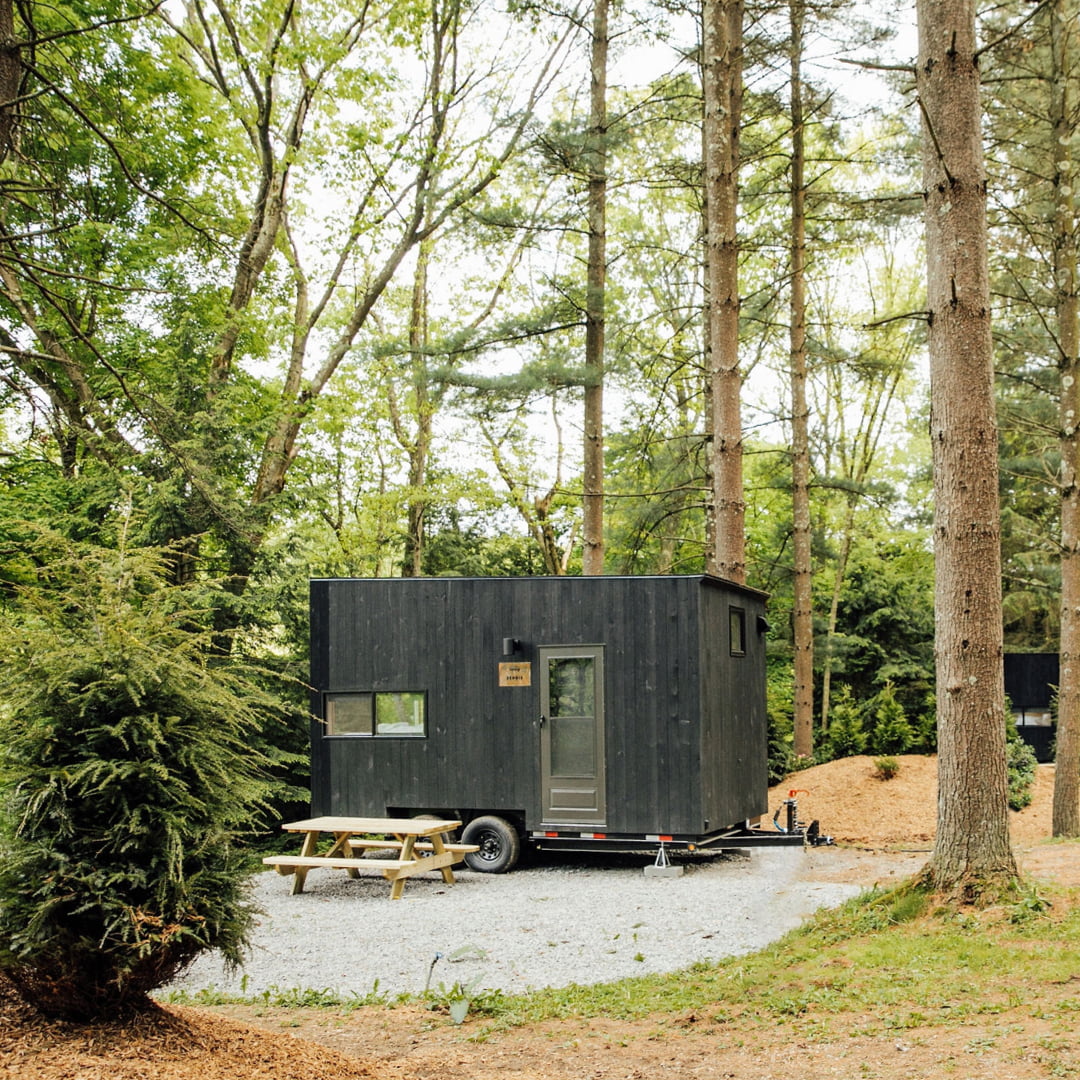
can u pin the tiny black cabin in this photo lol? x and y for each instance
(568, 711)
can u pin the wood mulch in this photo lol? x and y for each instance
(172, 1043)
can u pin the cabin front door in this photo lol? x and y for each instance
(572, 734)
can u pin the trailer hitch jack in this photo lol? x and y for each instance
(811, 833)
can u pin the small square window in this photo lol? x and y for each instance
(348, 714)
(737, 631)
(399, 714)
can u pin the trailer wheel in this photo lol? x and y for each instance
(498, 842)
(447, 837)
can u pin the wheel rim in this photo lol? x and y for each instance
(490, 845)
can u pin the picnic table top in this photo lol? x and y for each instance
(398, 826)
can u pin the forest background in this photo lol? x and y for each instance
(293, 290)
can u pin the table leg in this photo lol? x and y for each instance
(439, 848)
(311, 840)
(407, 852)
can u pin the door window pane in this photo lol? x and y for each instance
(573, 746)
(571, 686)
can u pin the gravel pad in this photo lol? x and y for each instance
(547, 924)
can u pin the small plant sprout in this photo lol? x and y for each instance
(885, 768)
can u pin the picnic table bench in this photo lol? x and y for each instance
(414, 846)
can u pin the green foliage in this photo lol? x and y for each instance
(846, 735)
(127, 777)
(277, 997)
(891, 733)
(1021, 764)
(885, 768)
(925, 727)
(780, 697)
(474, 549)
(886, 620)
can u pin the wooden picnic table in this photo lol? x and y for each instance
(413, 846)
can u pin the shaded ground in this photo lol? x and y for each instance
(885, 829)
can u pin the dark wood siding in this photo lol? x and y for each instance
(1031, 679)
(671, 693)
(734, 747)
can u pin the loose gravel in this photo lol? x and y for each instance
(552, 923)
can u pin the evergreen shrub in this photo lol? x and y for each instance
(885, 768)
(846, 736)
(780, 708)
(1020, 761)
(892, 732)
(126, 776)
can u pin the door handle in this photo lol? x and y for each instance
(543, 719)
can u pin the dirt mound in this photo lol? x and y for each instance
(855, 806)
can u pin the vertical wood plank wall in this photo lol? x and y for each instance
(685, 721)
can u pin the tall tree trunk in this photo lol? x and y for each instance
(1066, 812)
(419, 447)
(10, 77)
(593, 516)
(972, 846)
(722, 86)
(802, 599)
(706, 365)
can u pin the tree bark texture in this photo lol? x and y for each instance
(1066, 808)
(596, 158)
(972, 848)
(419, 446)
(802, 598)
(722, 86)
(10, 77)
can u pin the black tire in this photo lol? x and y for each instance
(499, 844)
(447, 837)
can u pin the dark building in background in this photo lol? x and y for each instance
(1031, 681)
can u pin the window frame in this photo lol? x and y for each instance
(736, 617)
(330, 697)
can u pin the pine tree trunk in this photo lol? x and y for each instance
(972, 849)
(1066, 810)
(722, 79)
(596, 157)
(802, 599)
(419, 447)
(706, 366)
(10, 77)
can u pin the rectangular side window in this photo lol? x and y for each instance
(400, 714)
(737, 631)
(397, 715)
